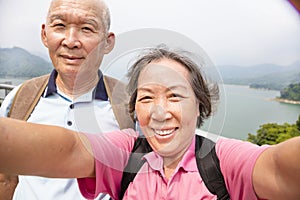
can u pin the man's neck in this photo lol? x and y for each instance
(76, 86)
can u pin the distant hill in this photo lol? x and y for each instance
(17, 62)
(267, 76)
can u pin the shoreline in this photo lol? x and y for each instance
(286, 101)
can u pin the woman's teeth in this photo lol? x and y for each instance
(163, 132)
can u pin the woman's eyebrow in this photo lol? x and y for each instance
(169, 88)
(178, 86)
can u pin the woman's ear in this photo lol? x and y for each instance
(198, 110)
(110, 42)
(135, 116)
(44, 35)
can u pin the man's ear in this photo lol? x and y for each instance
(110, 42)
(44, 36)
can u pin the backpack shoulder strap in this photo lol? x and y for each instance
(209, 167)
(27, 97)
(207, 163)
(135, 162)
(118, 97)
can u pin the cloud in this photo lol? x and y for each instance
(232, 32)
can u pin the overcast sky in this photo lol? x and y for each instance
(238, 32)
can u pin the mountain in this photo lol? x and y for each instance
(267, 76)
(17, 62)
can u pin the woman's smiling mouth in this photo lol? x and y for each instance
(164, 132)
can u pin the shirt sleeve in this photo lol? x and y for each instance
(7, 102)
(111, 152)
(237, 160)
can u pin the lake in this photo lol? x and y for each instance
(245, 109)
(241, 111)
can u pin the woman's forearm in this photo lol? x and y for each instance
(287, 162)
(276, 172)
(34, 149)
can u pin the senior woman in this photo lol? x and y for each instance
(170, 99)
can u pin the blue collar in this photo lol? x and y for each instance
(100, 91)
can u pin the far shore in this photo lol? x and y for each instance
(286, 101)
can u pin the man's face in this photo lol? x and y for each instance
(76, 36)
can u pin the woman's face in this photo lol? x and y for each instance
(166, 107)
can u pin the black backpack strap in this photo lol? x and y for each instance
(209, 167)
(135, 162)
(207, 163)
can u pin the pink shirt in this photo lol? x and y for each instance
(150, 183)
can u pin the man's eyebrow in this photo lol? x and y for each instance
(55, 17)
(92, 22)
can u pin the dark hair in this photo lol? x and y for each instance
(206, 93)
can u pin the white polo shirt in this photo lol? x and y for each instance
(90, 113)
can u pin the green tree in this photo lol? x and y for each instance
(298, 123)
(292, 92)
(273, 133)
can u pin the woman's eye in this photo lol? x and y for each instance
(175, 97)
(144, 99)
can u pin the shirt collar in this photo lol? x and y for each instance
(99, 92)
(188, 162)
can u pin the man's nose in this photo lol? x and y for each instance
(72, 39)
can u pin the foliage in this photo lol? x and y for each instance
(298, 123)
(268, 86)
(292, 92)
(273, 133)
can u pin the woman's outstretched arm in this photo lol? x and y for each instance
(276, 172)
(50, 151)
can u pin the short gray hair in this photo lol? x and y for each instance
(206, 94)
(106, 19)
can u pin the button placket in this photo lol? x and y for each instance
(71, 114)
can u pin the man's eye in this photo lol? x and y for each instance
(59, 25)
(87, 29)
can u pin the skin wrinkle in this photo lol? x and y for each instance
(161, 103)
(76, 35)
(77, 40)
(158, 111)
(105, 18)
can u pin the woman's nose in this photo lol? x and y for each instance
(160, 113)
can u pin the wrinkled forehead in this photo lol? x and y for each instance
(83, 8)
(165, 73)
